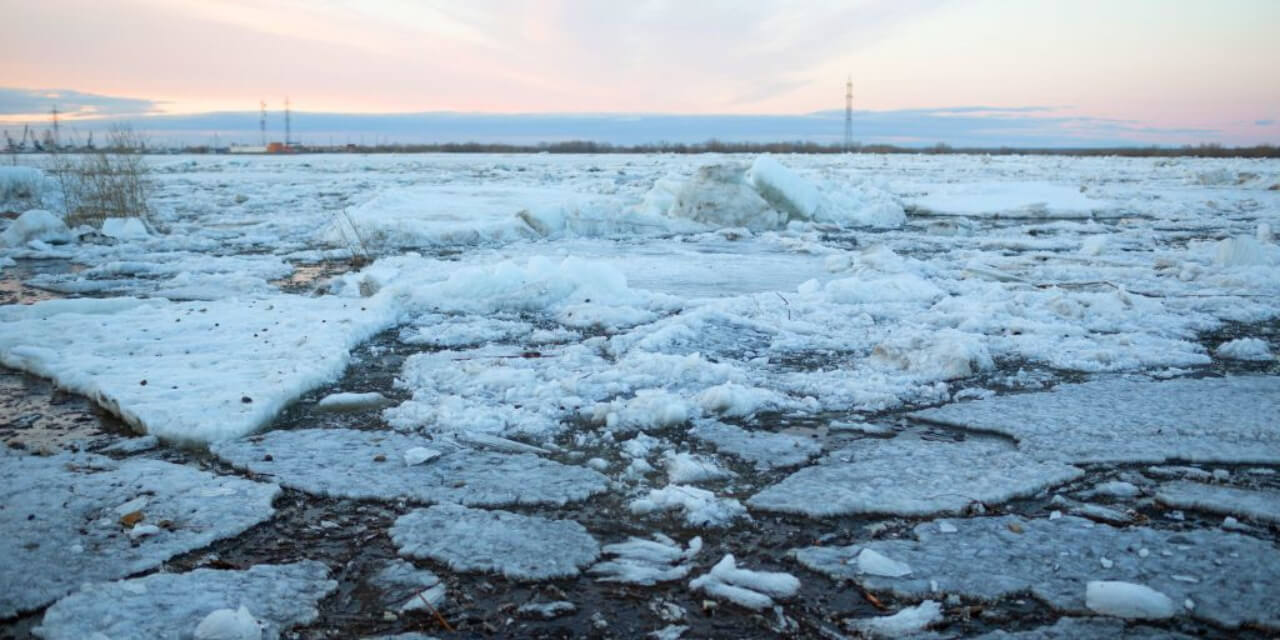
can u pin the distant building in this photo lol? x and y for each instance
(247, 148)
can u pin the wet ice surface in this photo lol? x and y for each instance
(1227, 579)
(370, 464)
(579, 339)
(71, 519)
(279, 597)
(908, 476)
(513, 545)
(1205, 420)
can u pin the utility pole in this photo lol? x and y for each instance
(848, 115)
(287, 133)
(55, 127)
(262, 121)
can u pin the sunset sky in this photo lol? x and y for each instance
(1169, 70)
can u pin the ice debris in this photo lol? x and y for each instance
(174, 605)
(341, 402)
(516, 546)
(646, 562)
(910, 476)
(404, 587)
(1128, 420)
(1053, 560)
(907, 622)
(701, 507)
(72, 516)
(349, 463)
(750, 589)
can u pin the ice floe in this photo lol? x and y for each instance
(1129, 420)
(516, 546)
(910, 476)
(67, 520)
(1228, 576)
(764, 449)
(1263, 506)
(348, 463)
(180, 605)
(149, 361)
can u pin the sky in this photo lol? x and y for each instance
(1007, 71)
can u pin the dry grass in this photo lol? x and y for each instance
(110, 182)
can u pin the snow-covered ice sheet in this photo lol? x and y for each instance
(1228, 578)
(515, 546)
(910, 476)
(173, 605)
(1009, 199)
(193, 372)
(348, 463)
(764, 449)
(1229, 419)
(75, 518)
(1263, 506)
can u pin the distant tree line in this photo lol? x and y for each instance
(718, 146)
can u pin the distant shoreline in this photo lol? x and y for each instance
(715, 146)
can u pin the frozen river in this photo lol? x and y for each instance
(611, 396)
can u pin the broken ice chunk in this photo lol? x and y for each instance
(751, 589)
(877, 564)
(908, 621)
(1127, 600)
(701, 507)
(419, 455)
(646, 562)
(227, 624)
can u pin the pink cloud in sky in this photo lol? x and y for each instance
(1170, 63)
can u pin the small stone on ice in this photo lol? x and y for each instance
(1127, 600)
(1106, 562)
(1143, 552)
(225, 624)
(419, 455)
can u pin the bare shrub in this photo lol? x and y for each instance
(110, 182)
